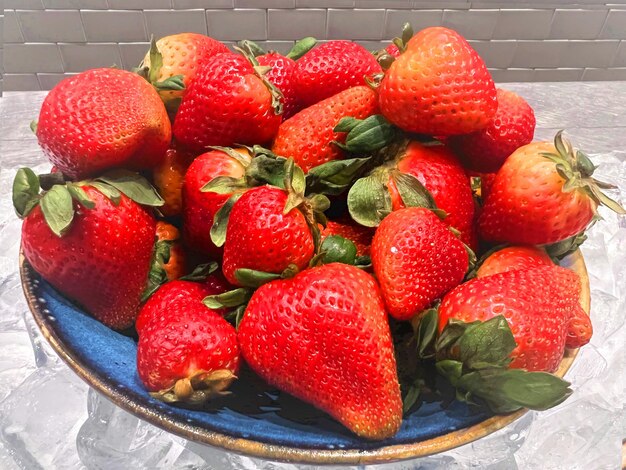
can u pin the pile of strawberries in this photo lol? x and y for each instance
(329, 201)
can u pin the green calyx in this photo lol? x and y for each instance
(235, 300)
(260, 71)
(58, 196)
(576, 168)
(365, 136)
(301, 47)
(384, 58)
(151, 73)
(474, 357)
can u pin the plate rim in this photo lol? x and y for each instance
(384, 454)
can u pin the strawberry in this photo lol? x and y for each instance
(438, 169)
(262, 236)
(512, 258)
(359, 235)
(579, 329)
(175, 264)
(537, 303)
(323, 337)
(282, 74)
(187, 353)
(330, 68)
(90, 240)
(199, 208)
(393, 50)
(416, 259)
(307, 137)
(173, 62)
(168, 178)
(226, 104)
(102, 119)
(543, 194)
(438, 86)
(512, 127)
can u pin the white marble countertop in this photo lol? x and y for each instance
(50, 419)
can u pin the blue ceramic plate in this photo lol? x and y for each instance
(255, 419)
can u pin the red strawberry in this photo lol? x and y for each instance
(512, 258)
(543, 194)
(579, 329)
(437, 168)
(199, 208)
(359, 235)
(512, 126)
(226, 104)
(537, 303)
(416, 259)
(101, 119)
(260, 236)
(438, 86)
(282, 74)
(307, 136)
(393, 50)
(332, 67)
(101, 260)
(189, 354)
(323, 337)
(172, 299)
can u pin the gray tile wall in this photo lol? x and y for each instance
(532, 40)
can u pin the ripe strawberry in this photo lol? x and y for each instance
(226, 104)
(393, 50)
(181, 55)
(332, 67)
(438, 169)
(282, 74)
(101, 119)
(512, 258)
(579, 329)
(323, 337)
(307, 136)
(438, 86)
(537, 303)
(175, 265)
(512, 127)
(416, 259)
(168, 178)
(101, 260)
(189, 354)
(543, 193)
(262, 237)
(172, 299)
(199, 208)
(359, 235)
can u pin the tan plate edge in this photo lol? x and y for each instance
(291, 454)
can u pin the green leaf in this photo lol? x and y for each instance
(220, 220)
(487, 344)
(301, 47)
(370, 135)
(58, 209)
(200, 272)
(157, 275)
(507, 390)
(109, 191)
(233, 298)
(412, 192)
(156, 62)
(412, 394)
(338, 249)
(369, 200)
(451, 333)
(267, 169)
(171, 83)
(224, 185)
(335, 176)
(133, 185)
(407, 33)
(253, 278)
(426, 332)
(295, 180)
(33, 126)
(251, 47)
(346, 124)
(559, 250)
(79, 195)
(450, 369)
(25, 191)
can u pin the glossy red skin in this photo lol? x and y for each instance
(393, 50)
(438, 169)
(361, 236)
(307, 136)
(512, 258)
(101, 119)
(416, 260)
(260, 237)
(438, 86)
(226, 104)
(538, 304)
(176, 347)
(579, 329)
(526, 204)
(102, 262)
(199, 208)
(332, 67)
(323, 337)
(512, 127)
(282, 75)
